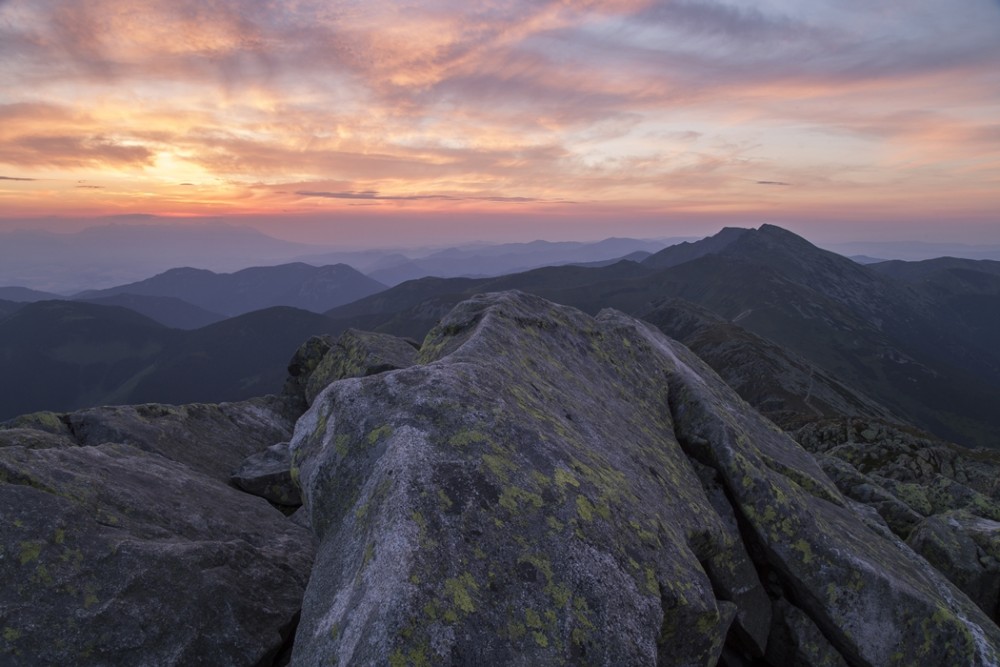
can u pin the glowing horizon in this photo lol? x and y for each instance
(308, 117)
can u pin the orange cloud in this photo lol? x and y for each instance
(647, 107)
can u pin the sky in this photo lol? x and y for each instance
(365, 122)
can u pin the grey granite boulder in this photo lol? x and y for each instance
(966, 548)
(359, 354)
(211, 438)
(114, 555)
(547, 488)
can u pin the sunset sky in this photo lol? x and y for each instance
(358, 121)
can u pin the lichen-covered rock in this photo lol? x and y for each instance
(213, 439)
(301, 367)
(797, 641)
(903, 454)
(900, 517)
(33, 439)
(942, 498)
(466, 520)
(112, 555)
(359, 354)
(268, 474)
(526, 496)
(966, 548)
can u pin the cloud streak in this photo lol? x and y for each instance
(372, 195)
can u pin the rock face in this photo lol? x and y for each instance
(944, 500)
(544, 487)
(321, 360)
(268, 474)
(210, 438)
(359, 354)
(121, 542)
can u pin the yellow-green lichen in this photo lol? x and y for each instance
(652, 587)
(565, 478)
(513, 497)
(445, 501)
(30, 550)
(466, 438)
(461, 589)
(500, 466)
(381, 433)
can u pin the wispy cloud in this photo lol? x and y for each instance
(639, 105)
(373, 195)
(15, 178)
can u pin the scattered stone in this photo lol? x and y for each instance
(268, 474)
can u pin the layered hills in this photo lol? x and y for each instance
(534, 485)
(900, 342)
(915, 338)
(63, 355)
(297, 285)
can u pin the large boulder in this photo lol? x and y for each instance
(966, 548)
(210, 438)
(116, 555)
(359, 354)
(546, 487)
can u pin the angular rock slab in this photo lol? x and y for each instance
(110, 555)
(359, 354)
(268, 474)
(211, 438)
(966, 549)
(875, 601)
(525, 497)
(508, 504)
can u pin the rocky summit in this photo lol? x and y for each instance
(532, 486)
(544, 487)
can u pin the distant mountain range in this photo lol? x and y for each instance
(297, 285)
(129, 250)
(805, 331)
(918, 351)
(483, 260)
(915, 250)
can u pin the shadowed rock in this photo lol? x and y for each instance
(115, 555)
(942, 498)
(359, 354)
(268, 474)
(548, 487)
(210, 438)
(966, 548)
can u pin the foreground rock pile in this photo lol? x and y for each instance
(122, 543)
(533, 486)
